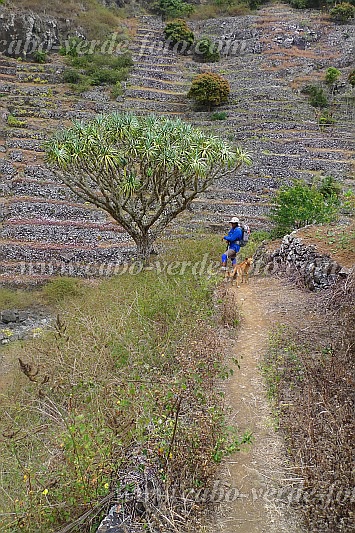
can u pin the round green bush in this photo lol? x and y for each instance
(178, 31)
(342, 12)
(209, 89)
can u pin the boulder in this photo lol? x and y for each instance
(8, 316)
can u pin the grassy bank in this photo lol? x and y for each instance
(123, 384)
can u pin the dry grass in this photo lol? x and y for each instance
(98, 20)
(310, 372)
(288, 53)
(336, 240)
(205, 11)
(300, 81)
(122, 390)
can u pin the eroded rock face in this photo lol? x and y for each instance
(21, 34)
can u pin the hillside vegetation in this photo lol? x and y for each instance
(309, 371)
(124, 385)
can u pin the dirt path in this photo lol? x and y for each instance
(259, 479)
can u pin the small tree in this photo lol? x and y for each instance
(330, 189)
(172, 8)
(300, 205)
(178, 31)
(325, 118)
(317, 98)
(332, 75)
(342, 12)
(209, 89)
(206, 51)
(40, 56)
(143, 171)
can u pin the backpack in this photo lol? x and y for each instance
(246, 232)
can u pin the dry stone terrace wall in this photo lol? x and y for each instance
(271, 55)
(267, 114)
(316, 270)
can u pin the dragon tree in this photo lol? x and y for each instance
(143, 171)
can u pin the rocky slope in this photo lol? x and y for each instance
(272, 55)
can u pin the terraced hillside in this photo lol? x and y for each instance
(45, 229)
(272, 55)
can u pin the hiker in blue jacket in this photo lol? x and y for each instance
(233, 239)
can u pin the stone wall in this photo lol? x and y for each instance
(317, 271)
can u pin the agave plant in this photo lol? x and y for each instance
(143, 171)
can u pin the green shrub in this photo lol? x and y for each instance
(84, 84)
(206, 51)
(71, 76)
(178, 31)
(300, 205)
(97, 69)
(307, 89)
(209, 89)
(326, 119)
(330, 189)
(61, 288)
(14, 122)
(40, 56)
(102, 60)
(332, 75)
(104, 76)
(117, 90)
(299, 4)
(71, 47)
(317, 98)
(172, 8)
(219, 115)
(342, 12)
(348, 203)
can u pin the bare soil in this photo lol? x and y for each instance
(262, 479)
(335, 240)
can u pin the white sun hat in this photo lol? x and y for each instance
(234, 220)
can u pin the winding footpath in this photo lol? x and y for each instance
(258, 479)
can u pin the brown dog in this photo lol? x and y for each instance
(241, 271)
